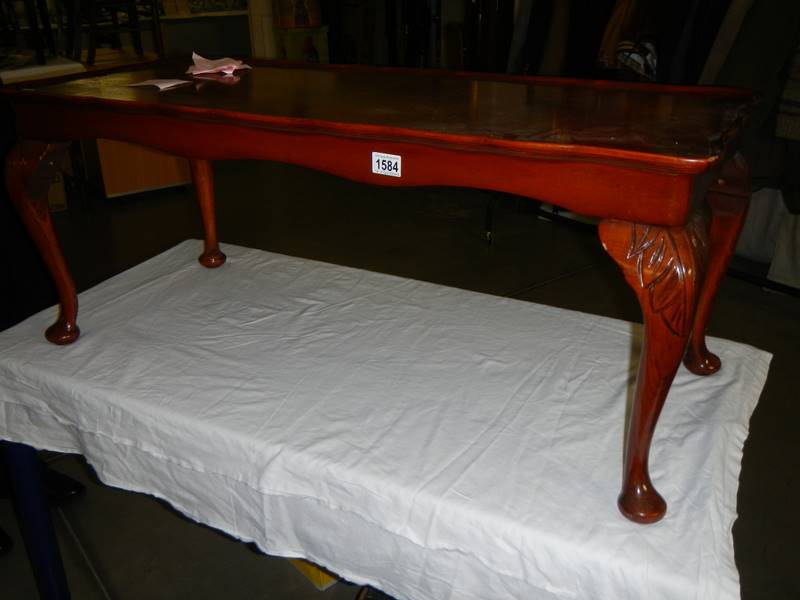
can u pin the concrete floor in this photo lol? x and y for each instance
(122, 545)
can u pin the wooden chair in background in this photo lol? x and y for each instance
(103, 16)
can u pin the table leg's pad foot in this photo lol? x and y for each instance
(642, 504)
(62, 333)
(212, 259)
(702, 363)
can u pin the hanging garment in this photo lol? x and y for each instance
(785, 265)
(701, 24)
(759, 59)
(788, 120)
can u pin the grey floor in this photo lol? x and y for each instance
(122, 545)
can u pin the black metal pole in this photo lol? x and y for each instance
(35, 523)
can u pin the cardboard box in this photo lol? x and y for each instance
(129, 169)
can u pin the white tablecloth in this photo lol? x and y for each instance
(434, 442)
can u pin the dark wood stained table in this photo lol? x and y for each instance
(656, 164)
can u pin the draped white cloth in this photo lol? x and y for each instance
(434, 442)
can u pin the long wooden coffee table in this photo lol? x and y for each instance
(657, 165)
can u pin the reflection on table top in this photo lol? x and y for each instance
(693, 123)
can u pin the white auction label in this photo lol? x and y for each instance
(386, 164)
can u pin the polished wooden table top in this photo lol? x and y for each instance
(684, 127)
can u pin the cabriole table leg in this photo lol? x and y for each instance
(30, 169)
(203, 177)
(728, 198)
(664, 267)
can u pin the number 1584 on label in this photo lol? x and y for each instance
(386, 164)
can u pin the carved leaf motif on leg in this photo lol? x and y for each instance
(662, 272)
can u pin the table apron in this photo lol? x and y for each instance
(602, 189)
